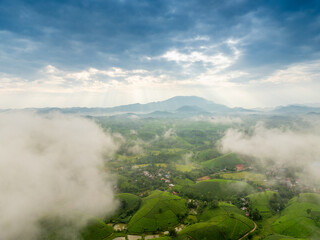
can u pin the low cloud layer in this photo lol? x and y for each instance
(170, 133)
(285, 147)
(219, 120)
(226, 120)
(51, 166)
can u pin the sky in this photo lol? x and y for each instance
(95, 53)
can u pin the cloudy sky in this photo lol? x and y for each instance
(106, 53)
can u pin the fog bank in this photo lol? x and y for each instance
(51, 166)
(285, 147)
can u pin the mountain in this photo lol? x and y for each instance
(296, 109)
(172, 104)
(178, 105)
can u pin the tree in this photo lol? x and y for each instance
(172, 232)
(214, 204)
(191, 204)
(124, 204)
(308, 210)
(256, 214)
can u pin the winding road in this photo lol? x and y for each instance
(255, 226)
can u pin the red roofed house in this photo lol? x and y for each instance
(239, 167)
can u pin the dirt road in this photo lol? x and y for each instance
(255, 226)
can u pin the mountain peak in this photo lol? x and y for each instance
(187, 98)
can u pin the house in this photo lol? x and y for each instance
(240, 167)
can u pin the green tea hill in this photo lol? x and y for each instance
(263, 202)
(159, 211)
(281, 237)
(96, 230)
(129, 204)
(223, 222)
(301, 218)
(227, 161)
(217, 189)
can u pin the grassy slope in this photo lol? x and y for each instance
(158, 212)
(230, 220)
(223, 222)
(131, 200)
(265, 227)
(207, 154)
(295, 221)
(180, 183)
(256, 178)
(163, 238)
(223, 209)
(132, 203)
(203, 230)
(261, 202)
(218, 189)
(185, 168)
(280, 237)
(96, 230)
(229, 161)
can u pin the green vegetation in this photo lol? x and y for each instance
(208, 154)
(224, 221)
(301, 217)
(280, 237)
(228, 161)
(223, 208)
(185, 167)
(229, 219)
(266, 202)
(265, 227)
(203, 230)
(190, 219)
(129, 203)
(96, 230)
(160, 167)
(217, 189)
(159, 211)
(256, 178)
(180, 183)
(161, 170)
(163, 238)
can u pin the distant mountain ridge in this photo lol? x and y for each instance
(172, 104)
(182, 105)
(179, 103)
(296, 109)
